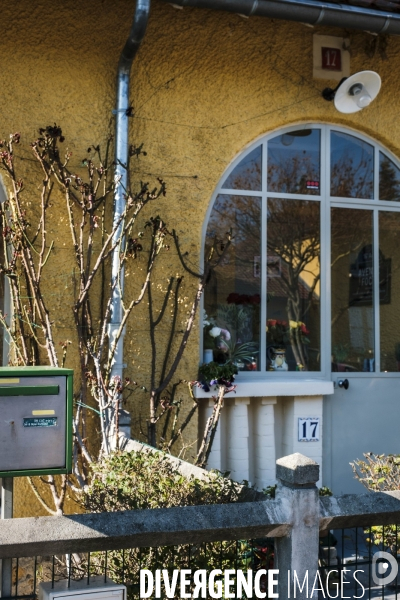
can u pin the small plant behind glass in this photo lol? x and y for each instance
(230, 331)
(341, 352)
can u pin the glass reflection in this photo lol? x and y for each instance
(389, 290)
(247, 174)
(293, 285)
(352, 167)
(353, 345)
(389, 179)
(232, 296)
(294, 162)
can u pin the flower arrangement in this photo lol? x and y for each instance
(208, 325)
(227, 347)
(279, 332)
(234, 298)
(214, 337)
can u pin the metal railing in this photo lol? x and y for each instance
(123, 566)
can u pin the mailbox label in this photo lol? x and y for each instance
(40, 422)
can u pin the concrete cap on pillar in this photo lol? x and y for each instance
(297, 469)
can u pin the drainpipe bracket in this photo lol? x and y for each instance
(113, 329)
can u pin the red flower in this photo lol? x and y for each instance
(233, 298)
(255, 299)
(304, 329)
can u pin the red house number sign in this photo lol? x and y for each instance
(331, 59)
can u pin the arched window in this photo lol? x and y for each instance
(310, 281)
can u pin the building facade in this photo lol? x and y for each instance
(231, 113)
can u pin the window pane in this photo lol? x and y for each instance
(352, 167)
(293, 285)
(389, 290)
(247, 174)
(294, 162)
(389, 179)
(232, 296)
(352, 290)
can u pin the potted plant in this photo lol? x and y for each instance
(341, 354)
(222, 346)
(281, 334)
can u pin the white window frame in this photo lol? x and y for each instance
(326, 203)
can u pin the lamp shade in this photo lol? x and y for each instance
(357, 91)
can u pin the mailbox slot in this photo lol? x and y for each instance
(24, 390)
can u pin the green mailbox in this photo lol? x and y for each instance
(35, 421)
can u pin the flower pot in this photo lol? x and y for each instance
(278, 359)
(208, 356)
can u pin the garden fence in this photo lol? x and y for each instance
(298, 533)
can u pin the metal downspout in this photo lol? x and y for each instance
(312, 12)
(127, 57)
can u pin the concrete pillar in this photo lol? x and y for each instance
(304, 407)
(264, 441)
(215, 457)
(237, 438)
(297, 553)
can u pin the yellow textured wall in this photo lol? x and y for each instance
(204, 85)
(59, 66)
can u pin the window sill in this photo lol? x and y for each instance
(265, 389)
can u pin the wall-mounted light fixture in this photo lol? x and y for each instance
(288, 138)
(355, 92)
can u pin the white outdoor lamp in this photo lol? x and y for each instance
(355, 92)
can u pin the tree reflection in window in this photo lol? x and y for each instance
(389, 179)
(352, 285)
(293, 309)
(247, 174)
(294, 162)
(232, 297)
(352, 167)
(389, 278)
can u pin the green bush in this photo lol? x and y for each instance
(380, 473)
(270, 491)
(131, 480)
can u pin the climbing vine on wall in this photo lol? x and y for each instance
(28, 249)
